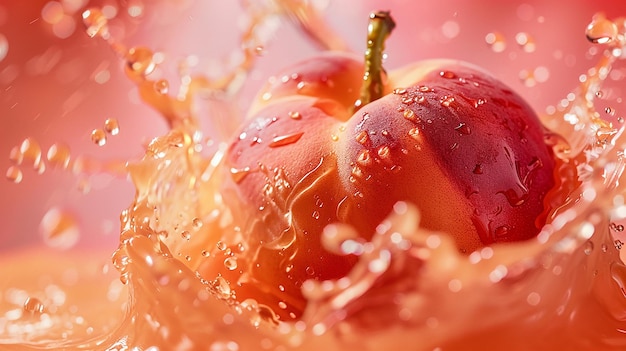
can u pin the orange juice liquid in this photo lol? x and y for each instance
(410, 289)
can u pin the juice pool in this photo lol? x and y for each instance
(566, 291)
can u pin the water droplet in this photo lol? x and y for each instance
(399, 91)
(364, 158)
(222, 288)
(230, 263)
(95, 23)
(186, 235)
(221, 245)
(384, 152)
(59, 228)
(286, 139)
(111, 126)
(14, 174)
(601, 30)
(502, 231)
(315, 215)
(33, 305)
(205, 253)
(409, 114)
(425, 89)
(238, 174)
(496, 41)
(609, 111)
(447, 101)
(363, 137)
(414, 133)
(447, 74)
(197, 223)
(31, 151)
(59, 156)
(139, 62)
(478, 169)
(479, 102)
(588, 248)
(334, 137)
(294, 115)
(310, 270)
(463, 128)
(162, 86)
(98, 137)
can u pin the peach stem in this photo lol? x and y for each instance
(380, 27)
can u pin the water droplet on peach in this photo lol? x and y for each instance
(409, 114)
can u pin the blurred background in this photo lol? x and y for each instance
(57, 84)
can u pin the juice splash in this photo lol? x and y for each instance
(410, 286)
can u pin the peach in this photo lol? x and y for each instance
(441, 134)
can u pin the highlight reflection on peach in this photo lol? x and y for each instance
(60, 85)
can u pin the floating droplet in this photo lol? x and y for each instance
(111, 126)
(33, 305)
(59, 228)
(14, 174)
(139, 62)
(31, 151)
(95, 23)
(162, 86)
(59, 156)
(98, 137)
(601, 30)
(230, 263)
